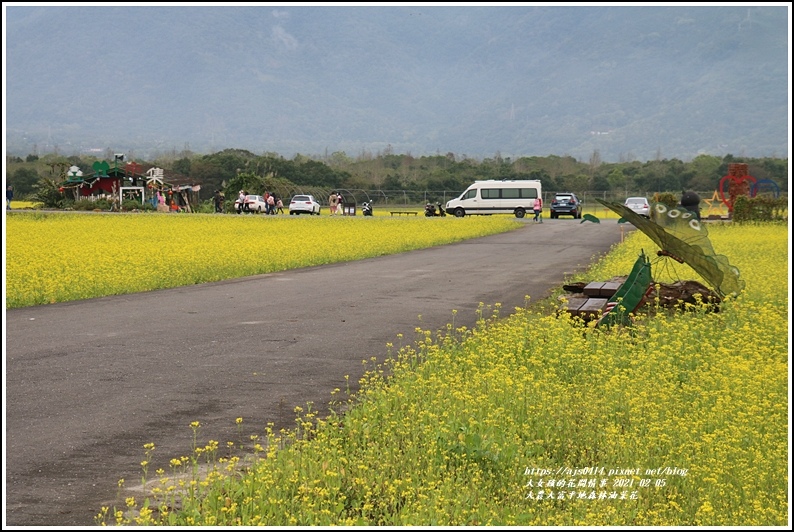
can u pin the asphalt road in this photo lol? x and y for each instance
(89, 383)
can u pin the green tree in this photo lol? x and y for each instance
(393, 182)
(231, 162)
(250, 183)
(24, 181)
(705, 172)
(209, 174)
(778, 171)
(600, 182)
(76, 160)
(616, 179)
(675, 175)
(575, 183)
(47, 192)
(340, 159)
(315, 173)
(182, 166)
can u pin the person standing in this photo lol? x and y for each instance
(279, 206)
(340, 205)
(218, 201)
(691, 202)
(538, 208)
(271, 204)
(9, 197)
(332, 199)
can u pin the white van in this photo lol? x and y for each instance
(496, 197)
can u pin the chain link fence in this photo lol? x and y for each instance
(413, 198)
(416, 199)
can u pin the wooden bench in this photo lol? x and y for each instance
(403, 212)
(611, 302)
(587, 308)
(606, 289)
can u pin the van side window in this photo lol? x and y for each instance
(490, 193)
(510, 193)
(530, 193)
(470, 194)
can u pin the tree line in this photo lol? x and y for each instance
(233, 169)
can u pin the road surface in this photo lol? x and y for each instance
(89, 383)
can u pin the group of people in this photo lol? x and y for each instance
(336, 203)
(273, 203)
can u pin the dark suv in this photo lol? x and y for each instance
(566, 203)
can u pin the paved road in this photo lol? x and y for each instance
(89, 383)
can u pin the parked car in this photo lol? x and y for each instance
(566, 203)
(639, 205)
(304, 204)
(252, 203)
(496, 196)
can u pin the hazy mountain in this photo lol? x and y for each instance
(630, 82)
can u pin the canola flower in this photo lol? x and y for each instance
(535, 419)
(58, 257)
(23, 204)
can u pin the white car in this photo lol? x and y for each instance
(639, 205)
(252, 203)
(304, 204)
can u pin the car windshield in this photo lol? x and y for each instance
(636, 200)
(300, 198)
(563, 198)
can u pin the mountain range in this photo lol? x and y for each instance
(622, 83)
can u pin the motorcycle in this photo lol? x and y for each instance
(430, 209)
(366, 208)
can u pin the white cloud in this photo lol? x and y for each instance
(281, 36)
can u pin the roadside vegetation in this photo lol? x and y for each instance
(530, 418)
(396, 179)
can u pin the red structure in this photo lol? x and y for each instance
(102, 181)
(738, 183)
(109, 182)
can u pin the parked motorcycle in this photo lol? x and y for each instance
(430, 209)
(366, 208)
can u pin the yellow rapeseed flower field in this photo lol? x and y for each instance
(535, 419)
(55, 257)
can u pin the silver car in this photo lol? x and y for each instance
(639, 205)
(304, 204)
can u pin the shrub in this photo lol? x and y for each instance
(90, 205)
(205, 207)
(667, 198)
(134, 205)
(759, 209)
